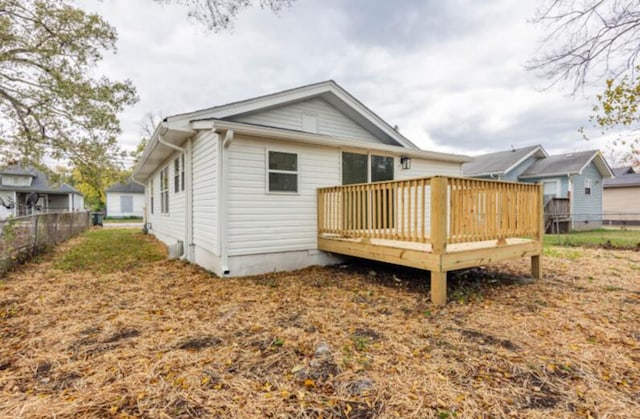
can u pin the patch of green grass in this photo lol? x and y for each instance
(557, 252)
(109, 220)
(619, 239)
(110, 250)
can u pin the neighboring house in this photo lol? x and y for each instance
(25, 191)
(622, 197)
(572, 181)
(125, 200)
(236, 185)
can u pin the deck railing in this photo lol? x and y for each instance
(436, 210)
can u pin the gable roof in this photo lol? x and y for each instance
(625, 177)
(501, 162)
(174, 130)
(126, 187)
(16, 171)
(328, 90)
(39, 182)
(568, 164)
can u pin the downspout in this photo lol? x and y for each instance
(224, 207)
(188, 198)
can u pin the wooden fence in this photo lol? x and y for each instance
(457, 210)
(23, 237)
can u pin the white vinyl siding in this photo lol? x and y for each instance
(205, 192)
(168, 226)
(298, 116)
(423, 168)
(260, 222)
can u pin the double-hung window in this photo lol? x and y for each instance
(587, 186)
(151, 192)
(164, 190)
(282, 172)
(178, 174)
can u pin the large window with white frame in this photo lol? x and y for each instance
(164, 190)
(178, 174)
(282, 172)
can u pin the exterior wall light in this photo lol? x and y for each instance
(405, 162)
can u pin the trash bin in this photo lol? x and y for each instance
(96, 218)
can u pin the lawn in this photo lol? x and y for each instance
(110, 220)
(105, 327)
(608, 238)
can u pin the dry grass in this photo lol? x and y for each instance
(165, 339)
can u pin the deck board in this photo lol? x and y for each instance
(419, 255)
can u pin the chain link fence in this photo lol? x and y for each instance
(24, 237)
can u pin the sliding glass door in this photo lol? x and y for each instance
(365, 211)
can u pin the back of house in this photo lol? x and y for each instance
(233, 188)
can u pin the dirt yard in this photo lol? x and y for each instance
(95, 330)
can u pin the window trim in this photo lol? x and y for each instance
(151, 193)
(588, 186)
(164, 192)
(178, 174)
(287, 172)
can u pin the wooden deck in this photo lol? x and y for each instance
(437, 224)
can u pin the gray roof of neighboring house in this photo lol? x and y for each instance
(500, 162)
(625, 177)
(617, 171)
(128, 187)
(39, 182)
(16, 170)
(566, 164)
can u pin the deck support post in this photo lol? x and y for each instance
(536, 266)
(439, 288)
(439, 215)
(536, 261)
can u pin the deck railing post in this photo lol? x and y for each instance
(439, 216)
(536, 261)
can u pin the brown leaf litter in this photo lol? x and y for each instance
(166, 339)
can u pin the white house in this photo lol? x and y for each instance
(125, 200)
(25, 191)
(234, 186)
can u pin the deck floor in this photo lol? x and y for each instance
(426, 247)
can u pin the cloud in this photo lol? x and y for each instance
(450, 74)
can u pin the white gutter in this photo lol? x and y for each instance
(223, 207)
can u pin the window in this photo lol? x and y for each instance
(178, 174)
(164, 190)
(151, 195)
(356, 169)
(587, 186)
(282, 172)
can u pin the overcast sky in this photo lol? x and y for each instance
(450, 74)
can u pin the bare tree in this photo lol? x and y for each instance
(219, 15)
(149, 123)
(588, 40)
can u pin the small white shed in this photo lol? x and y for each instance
(236, 185)
(125, 200)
